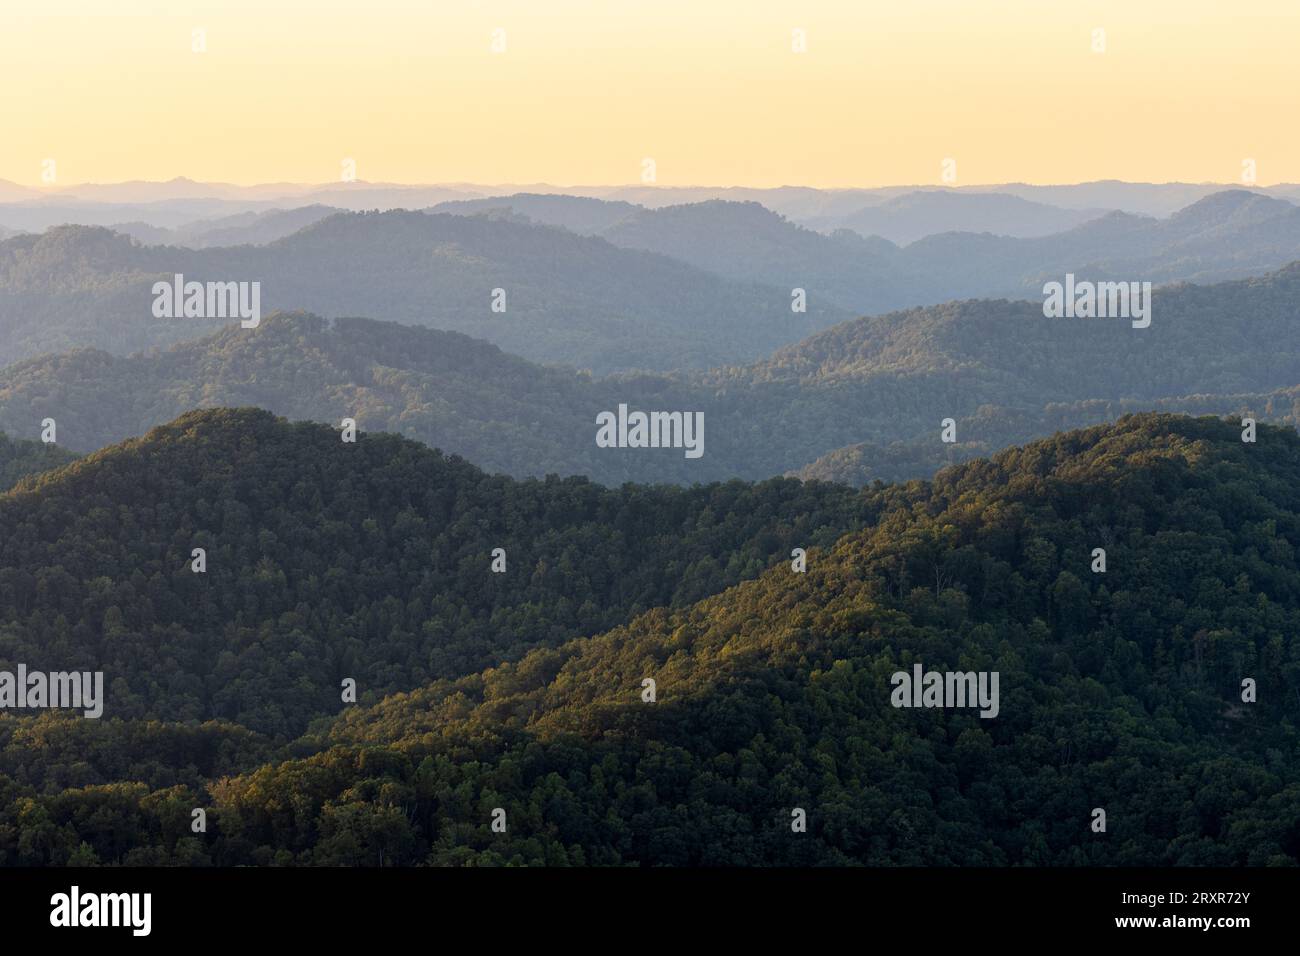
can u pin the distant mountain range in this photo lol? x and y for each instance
(682, 287)
(245, 228)
(1225, 235)
(900, 213)
(912, 216)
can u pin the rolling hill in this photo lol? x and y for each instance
(1228, 234)
(860, 401)
(1120, 691)
(905, 219)
(568, 299)
(327, 559)
(674, 288)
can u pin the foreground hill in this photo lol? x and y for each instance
(328, 560)
(1120, 691)
(568, 299)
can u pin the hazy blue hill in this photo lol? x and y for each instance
(570, 299)
(12, 192)
(747, 241)
(252, 228)
(740, 240)
(1227, 234)
(907, 218)
(883, 384)
(679, 287)
(444, 388)
(1235, 336)
(998, 426)
(581, 214)
(1143, 199)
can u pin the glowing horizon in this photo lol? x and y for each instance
(584, 91)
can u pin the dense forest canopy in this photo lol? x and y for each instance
(22, 457)
(1120, 690)
(369, 560)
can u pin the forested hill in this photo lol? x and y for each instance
(1231, 337)
(1226, 235)
(446, 389)
(682, 287)
(1120, 690)
(327, 559)
(568, 299)
(997, 427)
(863, 400)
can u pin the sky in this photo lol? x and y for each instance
(713, 91)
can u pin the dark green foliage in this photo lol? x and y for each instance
(22, 457)
(1119, 690)
(328, 560)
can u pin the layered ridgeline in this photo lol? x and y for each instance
(562, 297)
(1230, 234)
(326, 559)
(999, 369)
(608, 286)
(1163, 691)
(251, 228)
(997, 427)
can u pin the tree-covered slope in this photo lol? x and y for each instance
(1230, 337)
(446, 389)
(999, 426)
(1120, 691)
(22, 457)
(326, 559)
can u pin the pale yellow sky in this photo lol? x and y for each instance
(710, 89)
